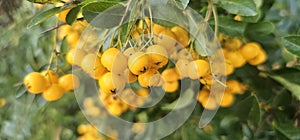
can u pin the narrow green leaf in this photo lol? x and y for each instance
(289, 78)
(91, 10)
(259, 29)
(183, 101)
(230, 26)
(72, 15)
(21, 91)
(287, 131)
(252, 19)
(44, 1)
(292, 44)
(45, 15)
(182, 4)
(240, 7)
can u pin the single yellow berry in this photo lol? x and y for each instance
(35, 82)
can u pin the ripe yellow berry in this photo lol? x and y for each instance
(2, 102)
(235, 87)
(111, 83)
(170, 75)
(167, 39)
(171, 86)
(157, 28)
(229, 67)
(72, 39)
(203, 95)
(53, 93)
(35, 82)
(75, 56)
(227, 100)
(142, 92)
(236, 59)
(129, 76)
(182, 35)
(198, 68)
(233, 44)
(91, 64)
(51, 76)
(259, 59)
(82, 129)
(206, 80)
(209, 103)
(114, 61)
(149, 78)
(158, 55)
(115, 109)
(69, 82)
(139, 63)
(144, 24)
(182, 68)
(250, 50)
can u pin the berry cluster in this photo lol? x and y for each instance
(50, 84)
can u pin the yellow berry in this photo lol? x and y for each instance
(236, 59)
(51, 76)
(170, 75)
(227, 100)
(171, 86)
(114, 61)
(111, 83)
(182, 35)
(182, 68)
(259, 59)
(53, 93)
(149, 78)
(167, 39)
(250, 50)
(35, 82)
(158, 55)
(75, 56)
(115, 109)
(69, 82)
(198, 68)
(139, 63)
(233, 44)
(235, 87)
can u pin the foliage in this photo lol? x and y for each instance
(268, 110)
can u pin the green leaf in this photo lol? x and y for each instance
(240, 7)
(21, 91)
(292, 44)
(44, 1)
(45, 15)
(259, 29)
(184, 100)
(289, 78)
(91, 10)
(182, 3)
(72, 15)
(248, 109)
(230, 26)
(287, 131)
(252, 19)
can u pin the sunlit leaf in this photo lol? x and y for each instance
(46, 15)
(240, 7)
(292, 44)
